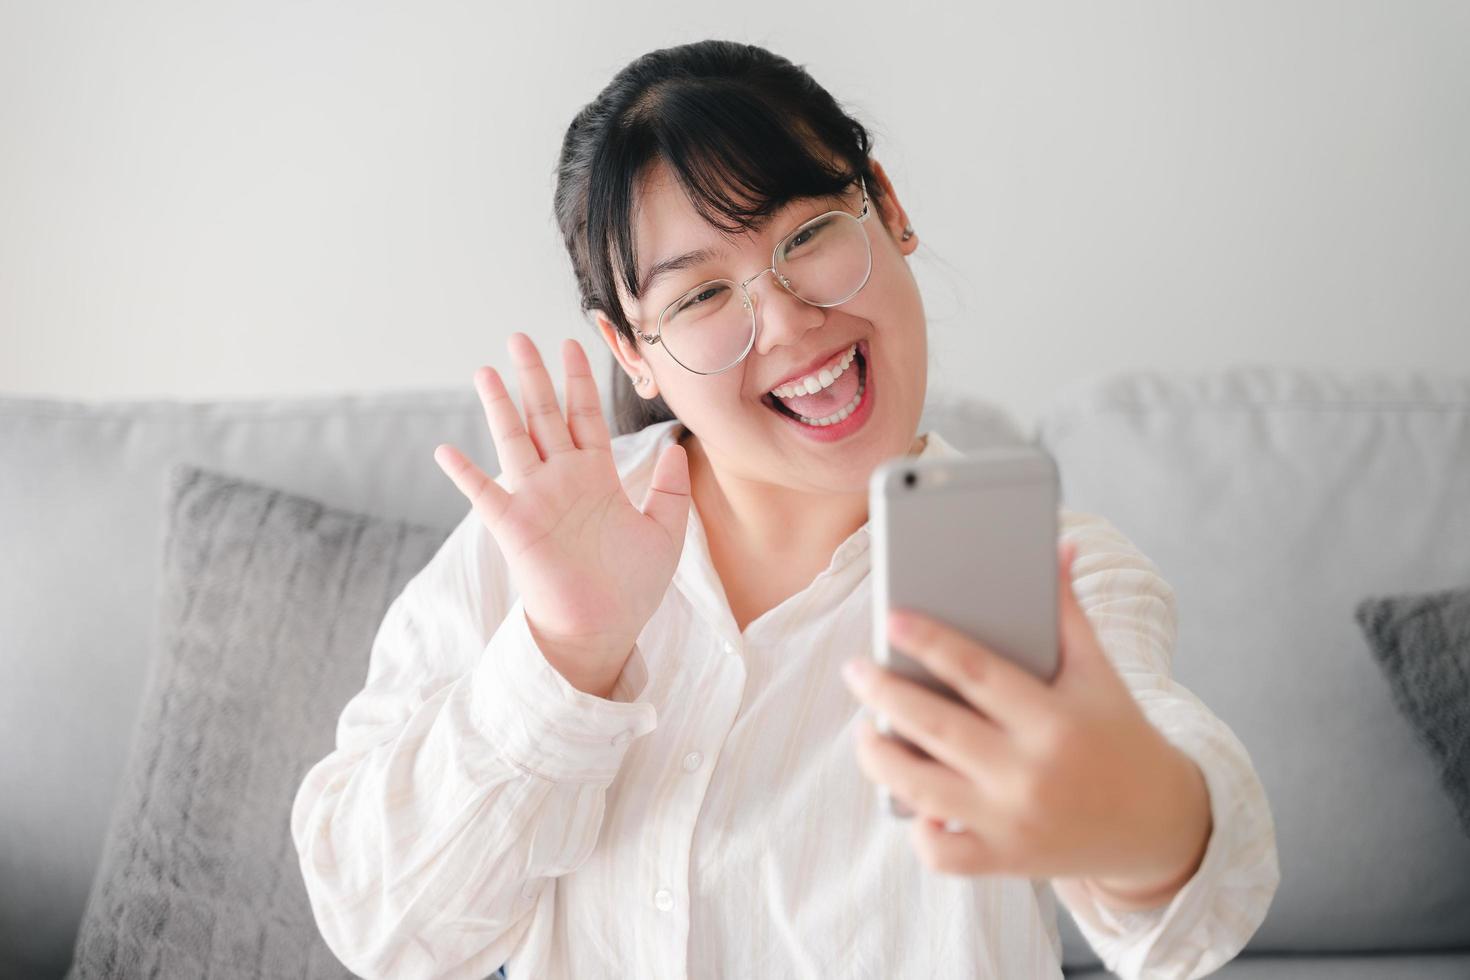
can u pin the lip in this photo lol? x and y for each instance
(854, 422)
(812, 368)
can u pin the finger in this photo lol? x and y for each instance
(584, 405)
(1083, 665)
(1002, 689)
(1066, 554)
(952, 733)
(538, 397)
(1073, 622)
(513, 447)
(667, 499)
(487, 497)
(925, 785)
(963, 853)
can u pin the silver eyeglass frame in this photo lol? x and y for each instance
(657, 335)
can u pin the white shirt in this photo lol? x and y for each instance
(710, 819)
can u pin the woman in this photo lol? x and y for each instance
(600, 739)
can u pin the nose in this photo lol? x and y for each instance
(781, 317)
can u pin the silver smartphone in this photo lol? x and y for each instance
(970, 540)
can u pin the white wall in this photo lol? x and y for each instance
(203, 200)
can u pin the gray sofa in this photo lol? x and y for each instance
(1273, 499)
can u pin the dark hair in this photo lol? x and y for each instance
(725, 116)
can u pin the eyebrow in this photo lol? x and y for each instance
(675, 264)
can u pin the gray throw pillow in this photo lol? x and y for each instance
(1422, 644)
(269, 603)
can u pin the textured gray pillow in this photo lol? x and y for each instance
(269, 603)
(1422, 644)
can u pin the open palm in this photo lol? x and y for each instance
(590, 566)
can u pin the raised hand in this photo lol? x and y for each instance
(591, 567)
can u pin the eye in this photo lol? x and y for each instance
(803, 237)
(694, 301)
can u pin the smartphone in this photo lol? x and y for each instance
(970, 540)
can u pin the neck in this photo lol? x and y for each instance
(797, 527)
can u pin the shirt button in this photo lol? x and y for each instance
(622, 737)
(729, 647)
(663, 899)
(692, 761)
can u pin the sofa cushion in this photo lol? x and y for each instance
(81, 514)
(1363, 966)
(1422, 644)
(1273, 499)
(269, 604)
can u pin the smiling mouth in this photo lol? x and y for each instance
(776, 405)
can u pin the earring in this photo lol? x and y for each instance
(641, 381)
(908, 232)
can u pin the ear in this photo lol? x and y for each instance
(626, 354)
(894, 217)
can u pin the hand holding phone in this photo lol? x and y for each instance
(970, 540)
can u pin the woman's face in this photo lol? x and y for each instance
(741, 434)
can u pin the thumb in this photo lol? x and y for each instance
(667, 499)
(1076, 640)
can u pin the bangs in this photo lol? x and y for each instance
(738, 158)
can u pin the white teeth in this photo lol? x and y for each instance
(841, 413)
(813, 383)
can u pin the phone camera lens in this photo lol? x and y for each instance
(910, 478)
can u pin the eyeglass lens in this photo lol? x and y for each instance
(824, 262)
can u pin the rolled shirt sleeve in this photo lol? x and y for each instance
(467, 776)
(1209, 920)
(542, 724)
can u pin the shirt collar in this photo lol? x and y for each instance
(695, 576)
(668, 431)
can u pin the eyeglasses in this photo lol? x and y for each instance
(824, 262)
